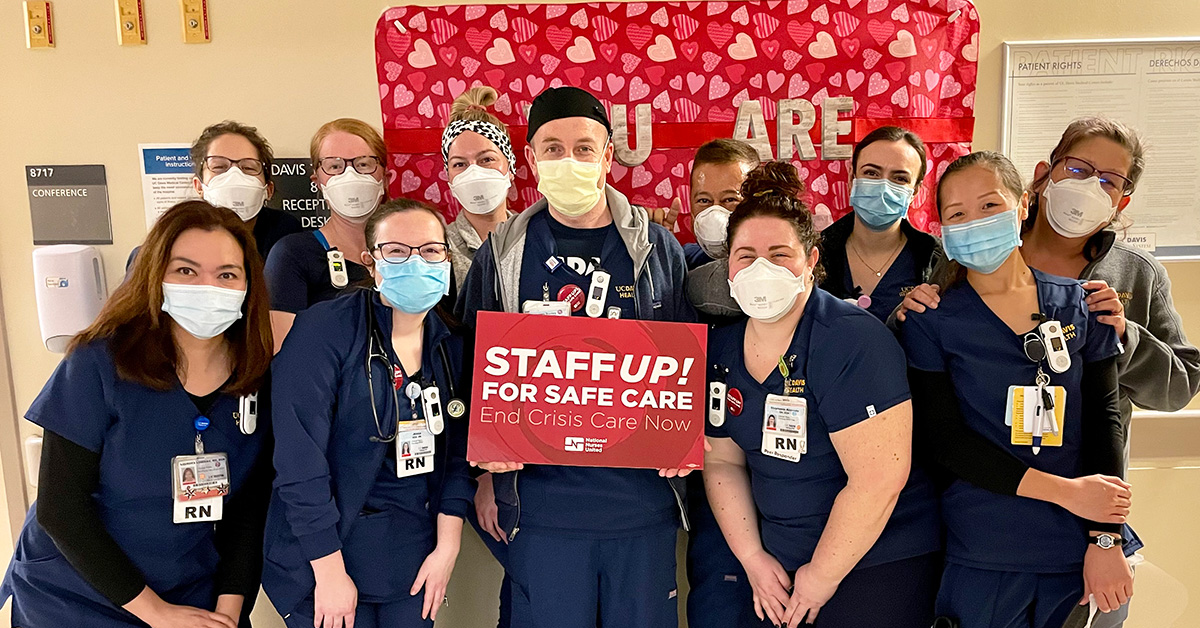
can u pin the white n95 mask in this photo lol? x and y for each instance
(202, 310)
(236, 190)
(765, 291)
(1076, 208)
(353, 195)
(711, 227)
(572, 187)
(480, 190)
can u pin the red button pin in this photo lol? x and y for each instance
(572, 294)
(733, 400)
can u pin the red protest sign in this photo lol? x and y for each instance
(588, 392)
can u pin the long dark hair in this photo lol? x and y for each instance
(139, 332)
(774, 189)
(948, 272)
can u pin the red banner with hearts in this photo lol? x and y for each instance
(588, 392)
(703, 70)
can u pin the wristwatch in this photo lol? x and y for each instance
(1106, 541)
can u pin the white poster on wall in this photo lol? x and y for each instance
(166, 177)
(1152, 85)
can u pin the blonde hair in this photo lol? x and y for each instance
(354, 127)
(472, 105)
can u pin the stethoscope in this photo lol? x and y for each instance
(376, 350)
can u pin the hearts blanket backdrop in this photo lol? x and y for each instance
(907, 62)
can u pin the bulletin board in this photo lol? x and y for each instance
(687, 72)
(1150, 84)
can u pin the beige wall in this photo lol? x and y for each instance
(287, 67)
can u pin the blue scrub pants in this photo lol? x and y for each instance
(981, 598)
(584, 582)
(898, 594)
(499, 550)
(718, 591)
(402, 614)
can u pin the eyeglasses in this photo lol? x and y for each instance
(398, 252)
(1116, 185)
(217, 164)
(333, 166)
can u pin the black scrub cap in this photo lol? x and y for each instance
(565, 102)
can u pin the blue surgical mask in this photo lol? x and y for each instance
(414, 286)
(982, 245)
(879, 203)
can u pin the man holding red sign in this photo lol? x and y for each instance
(597, 544)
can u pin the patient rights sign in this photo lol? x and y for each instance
(588, 392)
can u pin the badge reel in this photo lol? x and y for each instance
(597, 294)
(247, 416)
(716, 399)
(337, 268)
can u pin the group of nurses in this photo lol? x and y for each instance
(812, 507)
(372, 485)
(155, 469)
(1012, 357)
(810, 473)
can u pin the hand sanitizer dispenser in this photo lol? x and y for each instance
(70, 290)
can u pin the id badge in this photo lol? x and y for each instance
(199, 485)
(1021, 415)
(414, 449)
(547, 308)
(785, 427)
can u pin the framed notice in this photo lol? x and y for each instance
(1150, 84)
(581, 391)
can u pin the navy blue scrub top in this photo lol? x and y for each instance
(577, 252)
(984, 357)
(335, 488)
(137, 431)
(297, 273)
(901, 277)
(849, 367)
(602, 501)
